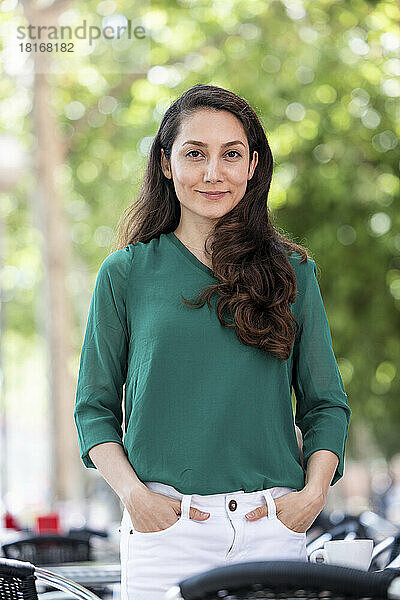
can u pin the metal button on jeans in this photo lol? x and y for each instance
(232, 505)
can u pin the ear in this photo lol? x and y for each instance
(165, 165)
(253, 164)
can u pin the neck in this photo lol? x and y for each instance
(194, 241)
(192, 237)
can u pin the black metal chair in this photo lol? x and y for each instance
(385, 552)
(87, 533)
(49, 549)
(18, 582)
(289, 579)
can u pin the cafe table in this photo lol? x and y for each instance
(88, 573)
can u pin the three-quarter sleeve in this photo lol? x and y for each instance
(322, 410)
(103, 362)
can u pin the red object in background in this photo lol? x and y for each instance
(49, 523)
(10, 522)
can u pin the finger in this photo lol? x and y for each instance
(257, 513)
(194, 513)
(197, 514)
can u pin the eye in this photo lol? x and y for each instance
(191, 153)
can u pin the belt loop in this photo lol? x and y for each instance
(270, 503)
(185, 505)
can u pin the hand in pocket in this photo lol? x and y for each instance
(151, 512)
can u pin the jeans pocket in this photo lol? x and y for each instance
(282, 524)
(291, 531)
(159, 532)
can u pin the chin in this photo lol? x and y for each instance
(217, 212)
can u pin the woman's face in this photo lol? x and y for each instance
(204, 159)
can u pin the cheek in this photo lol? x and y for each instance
(238, 176)
(184, 175)
(239, 190)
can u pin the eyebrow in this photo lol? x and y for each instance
(198, 143)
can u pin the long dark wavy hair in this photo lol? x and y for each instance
(255, 280)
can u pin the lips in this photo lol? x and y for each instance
(213, 194)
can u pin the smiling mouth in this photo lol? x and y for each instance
(213, 193)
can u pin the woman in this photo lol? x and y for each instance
(209, 471)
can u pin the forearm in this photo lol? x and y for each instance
(321, 467)
(112, 463)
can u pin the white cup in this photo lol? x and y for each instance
(346, 553)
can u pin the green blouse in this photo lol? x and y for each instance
(203, 412)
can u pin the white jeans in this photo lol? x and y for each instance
(151, 562)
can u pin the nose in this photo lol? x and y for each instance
(212, 172)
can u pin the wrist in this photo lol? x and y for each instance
(132, 491)
(315, 492)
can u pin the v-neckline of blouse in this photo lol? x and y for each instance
(186, 252)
